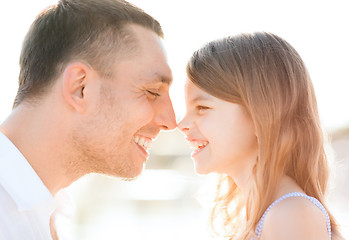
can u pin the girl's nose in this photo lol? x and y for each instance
(183, 125)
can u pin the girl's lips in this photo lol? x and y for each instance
(190, 139)
(197, 144)
(198, 150)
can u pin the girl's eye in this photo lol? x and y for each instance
(201, 108)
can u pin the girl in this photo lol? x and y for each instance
(252, 117)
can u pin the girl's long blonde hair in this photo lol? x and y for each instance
(266, 75)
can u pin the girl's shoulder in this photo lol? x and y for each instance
(296, 217)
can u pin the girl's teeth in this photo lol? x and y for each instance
(198, 145)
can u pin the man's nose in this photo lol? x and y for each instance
(166, 117)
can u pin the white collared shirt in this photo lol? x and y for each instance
(25, 203)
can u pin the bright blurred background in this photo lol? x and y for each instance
(165, 202)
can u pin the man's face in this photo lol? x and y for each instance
(128, 112)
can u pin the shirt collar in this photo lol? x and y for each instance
(19, 179)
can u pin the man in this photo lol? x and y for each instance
(93, 93)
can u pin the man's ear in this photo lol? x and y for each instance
(75, 77)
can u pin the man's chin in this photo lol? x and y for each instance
(129, 174)
(132, 176)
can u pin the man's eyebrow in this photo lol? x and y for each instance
(166, 80)
(163, 79)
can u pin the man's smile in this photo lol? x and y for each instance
(142, 141)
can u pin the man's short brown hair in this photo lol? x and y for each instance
(93, 31)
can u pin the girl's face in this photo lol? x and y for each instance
(221, 133)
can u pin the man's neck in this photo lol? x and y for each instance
(38, 136)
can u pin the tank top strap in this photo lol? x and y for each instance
(294, 194)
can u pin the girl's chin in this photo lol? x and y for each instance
(200, 162)
(202, 170)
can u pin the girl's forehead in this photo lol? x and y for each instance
(193, 92)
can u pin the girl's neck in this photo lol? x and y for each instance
(243, 180)
(287, 185)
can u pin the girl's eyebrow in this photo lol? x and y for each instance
(200, 98)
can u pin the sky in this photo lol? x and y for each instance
(318, 30)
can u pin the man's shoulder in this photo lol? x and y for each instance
(16, 224)
(7, 204)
